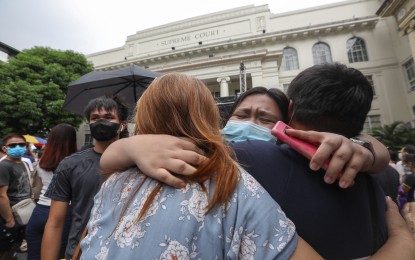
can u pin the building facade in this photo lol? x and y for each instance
(249, 46)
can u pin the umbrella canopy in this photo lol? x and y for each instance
(34, 139)
(129, 83)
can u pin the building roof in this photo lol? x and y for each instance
(8, 49)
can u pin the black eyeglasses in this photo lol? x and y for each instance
(15, 144)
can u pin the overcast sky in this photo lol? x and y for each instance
(89, 26)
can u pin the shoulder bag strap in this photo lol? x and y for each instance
(28, 173)
(78, 252)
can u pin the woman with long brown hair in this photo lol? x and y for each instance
(61, 143)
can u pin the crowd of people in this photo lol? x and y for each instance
(182, 186)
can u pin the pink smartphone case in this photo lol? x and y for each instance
(304, 148)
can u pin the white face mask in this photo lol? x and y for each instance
(239, 131)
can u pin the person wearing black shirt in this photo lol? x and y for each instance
(77, 178)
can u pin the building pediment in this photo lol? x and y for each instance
(200, 21)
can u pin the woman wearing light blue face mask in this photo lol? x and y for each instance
(254, 114)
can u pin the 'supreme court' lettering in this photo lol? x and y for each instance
(186, 38)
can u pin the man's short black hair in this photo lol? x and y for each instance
(108, 103)
(331, 98)
(7, 137)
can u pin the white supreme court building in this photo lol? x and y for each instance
(273, 48)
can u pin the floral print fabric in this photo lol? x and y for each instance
(176, 227)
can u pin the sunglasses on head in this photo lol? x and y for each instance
(15, 144)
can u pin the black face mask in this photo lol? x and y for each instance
(104, 130)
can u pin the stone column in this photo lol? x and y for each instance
(224, 87)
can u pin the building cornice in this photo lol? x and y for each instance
(407, 23)
(201, 62)
(389, 7)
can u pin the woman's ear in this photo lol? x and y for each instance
(123, 126)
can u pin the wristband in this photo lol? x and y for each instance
(366, 144)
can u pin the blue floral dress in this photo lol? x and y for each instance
(176, 227)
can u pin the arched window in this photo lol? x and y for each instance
(289, 59)
(356, 50)
(321, 53)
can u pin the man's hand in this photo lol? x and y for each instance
(401, 243)
(5, 210)
(10, 223)
(157, 156)
(52, 236)
(408, 213)
(345, 158)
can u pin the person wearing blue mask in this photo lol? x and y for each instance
(254, 113)
(14, 187)
(239, 131)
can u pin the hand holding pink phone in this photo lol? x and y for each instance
(304, 148)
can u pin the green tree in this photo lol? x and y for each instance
(395, 135)
(33, 87)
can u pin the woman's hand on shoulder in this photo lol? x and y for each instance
(162, 157)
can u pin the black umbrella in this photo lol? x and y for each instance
(129, 83)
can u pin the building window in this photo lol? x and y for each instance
(410, 73)
(371, 122)
(321, 53)
(356, 50)
(289, 59)
(88, 139)
(370, 79)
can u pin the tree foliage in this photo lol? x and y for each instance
(33, 87)
(395, 135)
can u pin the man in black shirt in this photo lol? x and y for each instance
(338, 223)
(77, 179)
